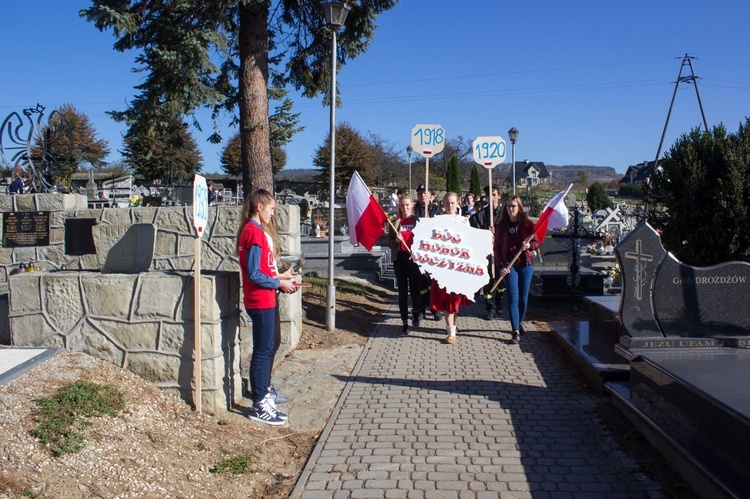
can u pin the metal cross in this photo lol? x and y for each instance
(640, 267)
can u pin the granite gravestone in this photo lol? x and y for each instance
(663, 298)
(554, 252)
(676, 317)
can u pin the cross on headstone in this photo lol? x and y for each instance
(640, 267)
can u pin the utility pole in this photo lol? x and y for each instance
(686, 60)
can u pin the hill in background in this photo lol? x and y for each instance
(560, 174)
(569, 173)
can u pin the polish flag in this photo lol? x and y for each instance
(366, 217)
(554, 215)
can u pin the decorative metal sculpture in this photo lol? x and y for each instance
(37, 147)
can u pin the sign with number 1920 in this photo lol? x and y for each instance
(427, 140)
(489, 151)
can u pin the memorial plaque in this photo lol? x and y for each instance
(79, 239)
(702, 302)
(555, 251)
(25, 228)
(639, 254)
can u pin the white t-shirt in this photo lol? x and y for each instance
(394, 199)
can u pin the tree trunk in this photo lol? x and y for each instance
(253, 97)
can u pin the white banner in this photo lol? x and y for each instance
(453, 253)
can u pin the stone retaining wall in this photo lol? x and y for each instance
(173, 255)
(139, 322)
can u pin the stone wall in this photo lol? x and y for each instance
(139, 322)
(53, 256)
(174, 250)
(174, 238)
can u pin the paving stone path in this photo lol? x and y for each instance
(477, 419)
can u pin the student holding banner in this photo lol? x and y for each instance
(408, 275)
(510, 238)
(440, 300)
(424, 207)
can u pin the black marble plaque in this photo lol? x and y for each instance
(555, 251)
(25, 228)
(639, 254)
(79, 240)
(702, 302)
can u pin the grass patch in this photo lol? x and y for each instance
(61, 417)
(237, 465)
(319, 284)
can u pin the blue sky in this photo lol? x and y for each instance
(586, 82)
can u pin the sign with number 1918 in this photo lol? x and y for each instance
(427, 140)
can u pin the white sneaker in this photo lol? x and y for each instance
(265, 412)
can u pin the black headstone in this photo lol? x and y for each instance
(639, 254)
(555, 251)
(703, 302)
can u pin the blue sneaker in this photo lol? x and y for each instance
(265, 412)
(278, 398)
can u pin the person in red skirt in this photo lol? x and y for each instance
(440, 299)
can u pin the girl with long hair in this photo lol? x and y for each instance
(261, 279)
(407, 272)
(511, 234)
(441, 300)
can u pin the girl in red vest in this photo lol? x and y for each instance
(406, 270)
(260, 282)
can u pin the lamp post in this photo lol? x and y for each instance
(513, 135)
(335, 16)
(409, 150)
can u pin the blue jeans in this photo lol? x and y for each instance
(518, 283)
(264, 324)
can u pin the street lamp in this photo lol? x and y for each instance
(335, 16)
(513, 135)
(409, 150)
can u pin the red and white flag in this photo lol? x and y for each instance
(554, 215)
(366, 217)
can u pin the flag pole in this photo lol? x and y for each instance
(427, 186)
(398, 235)
(538, 225)
(497, 283)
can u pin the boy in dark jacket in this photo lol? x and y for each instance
(481, 220)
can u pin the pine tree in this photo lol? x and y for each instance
(700, 196)
(179, 42)
(87, 149)
(475, 186)
(597, 198)
(171, 152)
(353, 152)
(453, 178)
